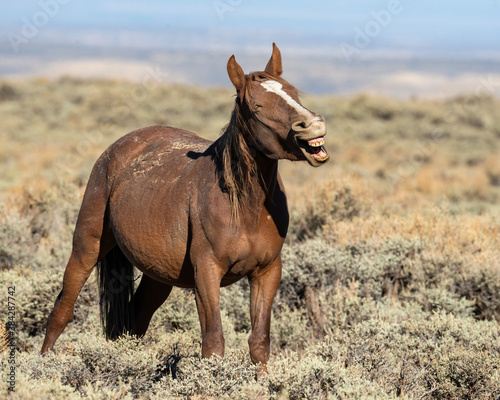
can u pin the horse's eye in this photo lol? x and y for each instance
(258, 106)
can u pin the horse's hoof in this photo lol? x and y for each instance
(261, 373)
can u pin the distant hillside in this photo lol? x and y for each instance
(389, 73)
(53, 127)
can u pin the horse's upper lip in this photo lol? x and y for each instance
(311, 136)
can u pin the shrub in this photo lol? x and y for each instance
(36, 292)
(214, 377)
(7, 92)
(388, 291)
(492, 168)
(336, 201)
(377, 267)
(17, 245)
(37, 231)
(421, 354)
(178, 312)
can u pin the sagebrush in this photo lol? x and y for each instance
(391, 271)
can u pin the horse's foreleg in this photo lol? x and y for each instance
(207, 293)
(263, 285)
(148, 297)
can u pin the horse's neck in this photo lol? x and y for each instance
(259, 184)
(267, 173)
(265, 183)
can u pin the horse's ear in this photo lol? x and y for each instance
(236, 74)
(274, 67)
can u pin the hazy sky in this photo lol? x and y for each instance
(395, 47)
(420, 25)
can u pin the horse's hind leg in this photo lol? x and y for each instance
(148, 297)
(91, 241)
(77, 271)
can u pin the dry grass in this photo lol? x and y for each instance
(4, 338)
(391, 269)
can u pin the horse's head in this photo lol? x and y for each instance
(279, 125)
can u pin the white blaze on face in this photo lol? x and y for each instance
(276, 87)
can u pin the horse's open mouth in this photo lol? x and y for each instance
(314, 151)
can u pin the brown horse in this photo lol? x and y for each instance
(192, 213)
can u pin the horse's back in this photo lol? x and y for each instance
(143, 150)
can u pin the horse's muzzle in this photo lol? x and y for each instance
(311, 138)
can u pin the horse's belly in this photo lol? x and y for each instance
(159, 259)
(170, 268)
(154, 236)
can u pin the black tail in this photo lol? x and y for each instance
(116, 289)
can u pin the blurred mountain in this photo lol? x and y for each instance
(198, 56)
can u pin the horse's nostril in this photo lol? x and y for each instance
(300, 126)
